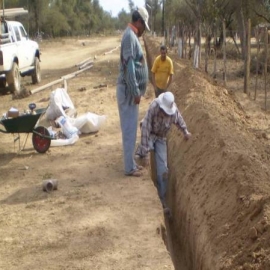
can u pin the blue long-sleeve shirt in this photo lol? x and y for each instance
(133, 66)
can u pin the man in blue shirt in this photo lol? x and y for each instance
(131, 85)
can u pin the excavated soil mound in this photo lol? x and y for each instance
(219, 182)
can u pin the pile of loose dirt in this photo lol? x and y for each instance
(219, 181)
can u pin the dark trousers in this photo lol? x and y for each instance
(159, 91)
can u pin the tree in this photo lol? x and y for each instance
(55, 23)
(131, 5)
(123, 19)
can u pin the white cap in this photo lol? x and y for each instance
(144, 14)
(166, 103)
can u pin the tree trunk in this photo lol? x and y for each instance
(207, 49)
(257, 61)
(215, 56)
(247, 59)
(235, 43)
(196, 56)
(200, 42)
(243, 35)
(163, 21)
(224, 54)
(265, 66)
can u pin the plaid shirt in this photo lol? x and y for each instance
(156, 125)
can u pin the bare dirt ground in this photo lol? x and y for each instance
(100, 219)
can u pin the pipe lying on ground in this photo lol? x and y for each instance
(64, 78)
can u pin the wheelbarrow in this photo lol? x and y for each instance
(27, 123)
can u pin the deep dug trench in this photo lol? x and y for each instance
(219, 181)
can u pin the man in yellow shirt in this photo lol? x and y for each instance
(162, 72)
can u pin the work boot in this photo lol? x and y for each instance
(166, 210)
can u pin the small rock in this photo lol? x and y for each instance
(82, 89)
(247, 266)
(266, 227)
(225, 92)
(265, 136)
(253, 233)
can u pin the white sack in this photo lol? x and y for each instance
(63, 142)
(89, 122)
(59, 99)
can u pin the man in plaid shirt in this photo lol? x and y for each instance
(161, 114)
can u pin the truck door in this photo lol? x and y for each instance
(28, 50)
(22, 50)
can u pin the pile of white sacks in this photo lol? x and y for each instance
(62, 111)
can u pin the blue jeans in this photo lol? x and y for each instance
(128, 113)
(160, 149)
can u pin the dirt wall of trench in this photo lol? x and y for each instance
(219, 181)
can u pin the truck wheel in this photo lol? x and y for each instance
(36, 75)
(13, 79)
(3, 82)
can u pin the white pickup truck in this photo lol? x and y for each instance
(19, 57)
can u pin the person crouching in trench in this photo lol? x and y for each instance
(161, 114)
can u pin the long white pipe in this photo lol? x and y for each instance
(64, 78)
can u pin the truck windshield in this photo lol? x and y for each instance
(23, 33)
(17, 33)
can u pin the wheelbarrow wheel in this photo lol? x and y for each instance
(40, 139)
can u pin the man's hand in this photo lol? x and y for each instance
(145, 161)
(142, 161)
(141, 124)
(137, 99)
(187, 135)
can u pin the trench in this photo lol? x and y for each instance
(168, 233)
(218, 188)
(172, 246)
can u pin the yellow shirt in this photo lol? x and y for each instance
(162, 71)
